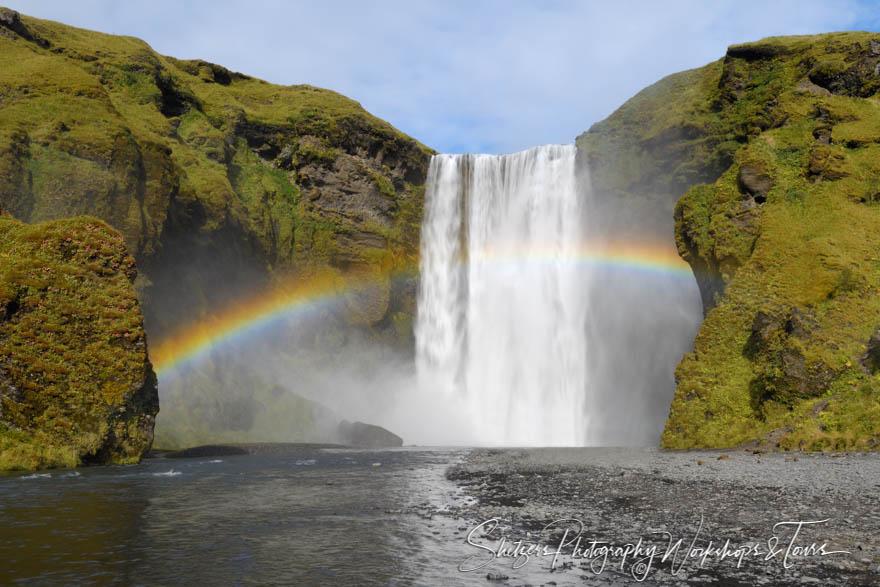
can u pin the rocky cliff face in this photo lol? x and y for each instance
(223, 187)
(220, 183)
(777, 147)
(76, 385)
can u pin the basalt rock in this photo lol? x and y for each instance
(12, 27)
(825, 163)
(776, 346)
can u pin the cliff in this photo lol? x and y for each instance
(225, 188)
(221, 184)
(773, 150)
(76, 385)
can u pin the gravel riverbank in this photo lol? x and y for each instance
(630, 507)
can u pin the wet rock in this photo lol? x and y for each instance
(638, 505)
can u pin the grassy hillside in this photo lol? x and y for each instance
(213, 177)
(778, 147)
(223, 186)
(76, 385)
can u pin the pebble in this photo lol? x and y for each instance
(624, 494)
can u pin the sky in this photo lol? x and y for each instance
(463, 76)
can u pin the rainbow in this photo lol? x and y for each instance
(644, 259)
(285, 301)
(247, 316)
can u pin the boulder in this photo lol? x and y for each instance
(76, 383)
(367, 435)
(826, 164)
(11, 24)
(754, 181)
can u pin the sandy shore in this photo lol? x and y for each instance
(621, 496)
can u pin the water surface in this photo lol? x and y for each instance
(333, 517)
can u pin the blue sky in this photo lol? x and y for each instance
(463, 76)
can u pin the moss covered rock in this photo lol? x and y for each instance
(220, 183)
(76, 385)
(777, 147)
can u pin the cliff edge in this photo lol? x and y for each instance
(775, 148)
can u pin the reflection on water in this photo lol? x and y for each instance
(304, 517)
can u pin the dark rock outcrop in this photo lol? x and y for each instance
(754, 181)
(871, 359)
(11, 27)
(783, 373)
(367, 435)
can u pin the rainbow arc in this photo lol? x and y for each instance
(195, 341)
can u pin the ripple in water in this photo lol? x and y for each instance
(254, 519)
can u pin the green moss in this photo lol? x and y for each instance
(801, 113)
(384, 184)
(73, 352)
(190, 161)
(306, 154)
(638, 149)
(187, 155)
(22, 452)
(802, 253)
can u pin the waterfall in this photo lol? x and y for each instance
(502, 307)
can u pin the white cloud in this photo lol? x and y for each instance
(463, 76)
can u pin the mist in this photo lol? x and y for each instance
(562, 353)
(295, 380)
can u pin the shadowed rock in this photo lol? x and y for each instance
(11, 24)
(367, 435)
(871, 359)
(754, 180)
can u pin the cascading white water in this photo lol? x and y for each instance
(502, 306)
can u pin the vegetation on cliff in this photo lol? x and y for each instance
(219, 182)
(76, 385)
(223, 187)
(777, 146)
